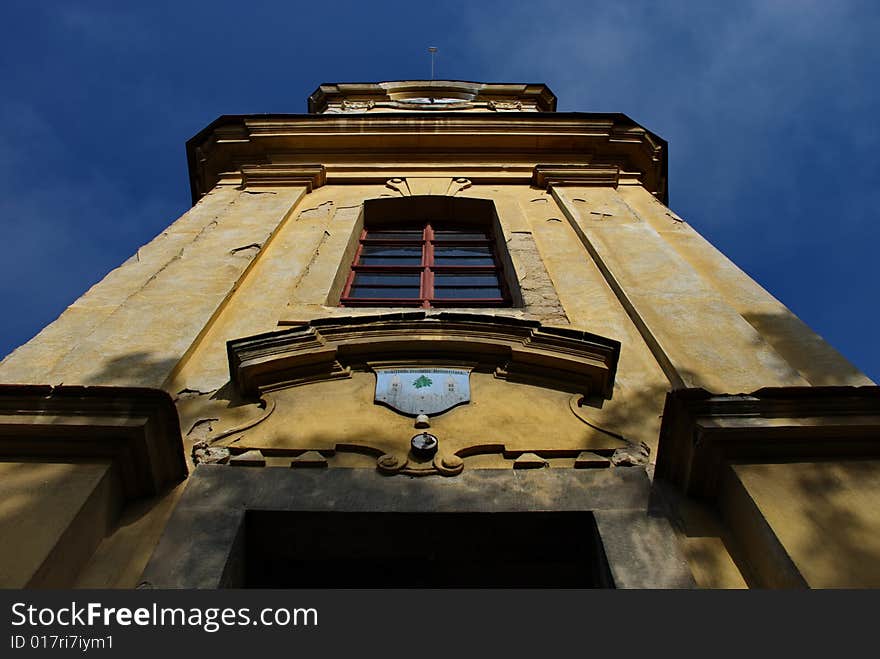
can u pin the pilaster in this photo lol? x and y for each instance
(143, 337)
(698, 339)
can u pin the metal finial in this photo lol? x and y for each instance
(432, 50)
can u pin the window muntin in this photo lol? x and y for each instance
(420, 265)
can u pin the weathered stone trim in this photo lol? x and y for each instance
(364, 96)
(377, 146)
(514, 349)
(308, 176)
(201, 544)
(674, 308)
(549, 176)
(135, 428)
(702, 432)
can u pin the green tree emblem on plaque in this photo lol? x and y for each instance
(422, 381)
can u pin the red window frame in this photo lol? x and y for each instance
(427, 269)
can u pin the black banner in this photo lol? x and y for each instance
(406, 622)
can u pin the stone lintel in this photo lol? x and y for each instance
(702, 432)
(200, 543)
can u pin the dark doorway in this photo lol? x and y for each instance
(282, 549)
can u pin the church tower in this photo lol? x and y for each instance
(434, 333)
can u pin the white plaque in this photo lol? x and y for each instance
(423, 390)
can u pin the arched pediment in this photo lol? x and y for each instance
(511, 348)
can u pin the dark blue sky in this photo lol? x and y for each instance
(771, 110)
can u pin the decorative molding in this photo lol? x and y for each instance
(701, 432)
(406, 464)
(505, 106)
(310, 176)
(136, 428)
(457, 185)
(547, 176)
(371, 145)
(517, 350)
(231, 133)
(428, 95)
(357, 106)
(399, 185)
(416, 187)
(268, 406)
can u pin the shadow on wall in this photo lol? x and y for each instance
(835, 537)
(807, 352)
(633, 414)
(134, 369)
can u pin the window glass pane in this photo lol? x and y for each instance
(463, 251)
(387, 279)
(463, 256)
(467, 293)
(391, 234)
(392, 262)
(460, 280)
(390, 292)
(452, 234)
(390, 255)
(464, 261)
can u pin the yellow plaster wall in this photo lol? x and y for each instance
(52, 516)
(297, 275)
(596, 258)
(814, 359)
(825, 516)
(134, 327)
(699, 339)
(308, 236)
(36, 359)
(612, 262)
(162, 319)
(123, 553)
(640, 386)
(320, 416)
(296, 278)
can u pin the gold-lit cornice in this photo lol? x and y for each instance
(547, 176)
(366, 96)
(489, 146)
(703, 432)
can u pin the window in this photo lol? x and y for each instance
(427, 265)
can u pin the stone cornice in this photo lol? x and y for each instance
(344, 142)
(135, 428)
(547, 176)
(365, 96)
(702, 432)
(310, 176)
(513, 349)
